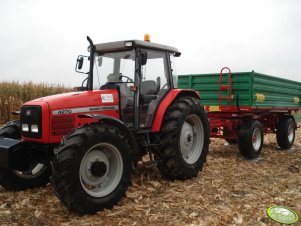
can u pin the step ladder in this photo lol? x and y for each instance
(225, 87)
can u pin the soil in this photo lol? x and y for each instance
(229, 191)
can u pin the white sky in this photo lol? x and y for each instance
(40, 40)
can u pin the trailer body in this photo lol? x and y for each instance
(250, 91)
(235, 100)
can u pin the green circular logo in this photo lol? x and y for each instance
(282, 215)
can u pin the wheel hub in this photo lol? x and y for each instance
(192, 139)
(101, 169)
(98, 169)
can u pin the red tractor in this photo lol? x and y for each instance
(128, 106)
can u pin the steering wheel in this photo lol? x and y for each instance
(128, 79)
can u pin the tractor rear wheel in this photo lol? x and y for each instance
(184, 138)
(36, 175)
(92, 168)
(286, 132)
(250, 139)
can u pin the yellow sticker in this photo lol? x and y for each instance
(296, 100)
(260, 97)
(214, 108)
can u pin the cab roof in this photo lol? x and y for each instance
(130, 44)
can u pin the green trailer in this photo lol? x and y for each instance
(243, 106)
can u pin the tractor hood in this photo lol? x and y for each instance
(78, 100)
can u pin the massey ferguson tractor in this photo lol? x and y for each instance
(89, 141)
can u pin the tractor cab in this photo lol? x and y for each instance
(141, 71)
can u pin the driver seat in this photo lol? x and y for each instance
(149, 90)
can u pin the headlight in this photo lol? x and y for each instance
(34, 128)
(25, 128)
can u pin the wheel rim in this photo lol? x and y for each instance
(192, 139)
(101, 170)
(33, 172)
(256, 139)
(290, 132)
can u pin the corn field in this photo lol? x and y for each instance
(14, 94)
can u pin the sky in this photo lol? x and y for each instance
(40, 40)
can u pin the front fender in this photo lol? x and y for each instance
(119, 124)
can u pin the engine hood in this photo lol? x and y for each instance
(78, 99)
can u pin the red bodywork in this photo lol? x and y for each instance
(60, 113)
(226, 120)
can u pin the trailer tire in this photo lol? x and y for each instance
(37, 174)
(285, 134)
(250, 139)
(92, 168)
(185, 138)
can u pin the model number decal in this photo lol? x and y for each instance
(64, 111)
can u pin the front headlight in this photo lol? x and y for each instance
(25, 128)
(34, 128)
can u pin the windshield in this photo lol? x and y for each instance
(113, 67)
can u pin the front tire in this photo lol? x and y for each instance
(36, 175)
(184, 138)
(92, 168)
(286, 133)
(250, 139)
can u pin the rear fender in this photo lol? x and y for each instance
(165, 103)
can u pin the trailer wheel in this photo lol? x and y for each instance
(36, 175)
(184, 138)
(250, 139)
(286, 133)
(92, 168)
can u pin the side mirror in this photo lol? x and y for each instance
(80, 62)
(99, 61)
(143, 57)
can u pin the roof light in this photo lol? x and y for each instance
(147, 37)
(128, 44)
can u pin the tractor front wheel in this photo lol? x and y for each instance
(92, 168)
(184, 138)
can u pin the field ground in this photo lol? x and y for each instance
(229, 191)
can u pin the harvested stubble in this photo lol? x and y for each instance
(229, 191)
(14, 94)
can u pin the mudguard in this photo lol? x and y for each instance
(119, 124)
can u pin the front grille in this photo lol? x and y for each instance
(31, 115)
(62, 125)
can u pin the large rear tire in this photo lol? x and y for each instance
(184, 138)
(92, 168)
(286, 132)
(250, 139)
(36, 175)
